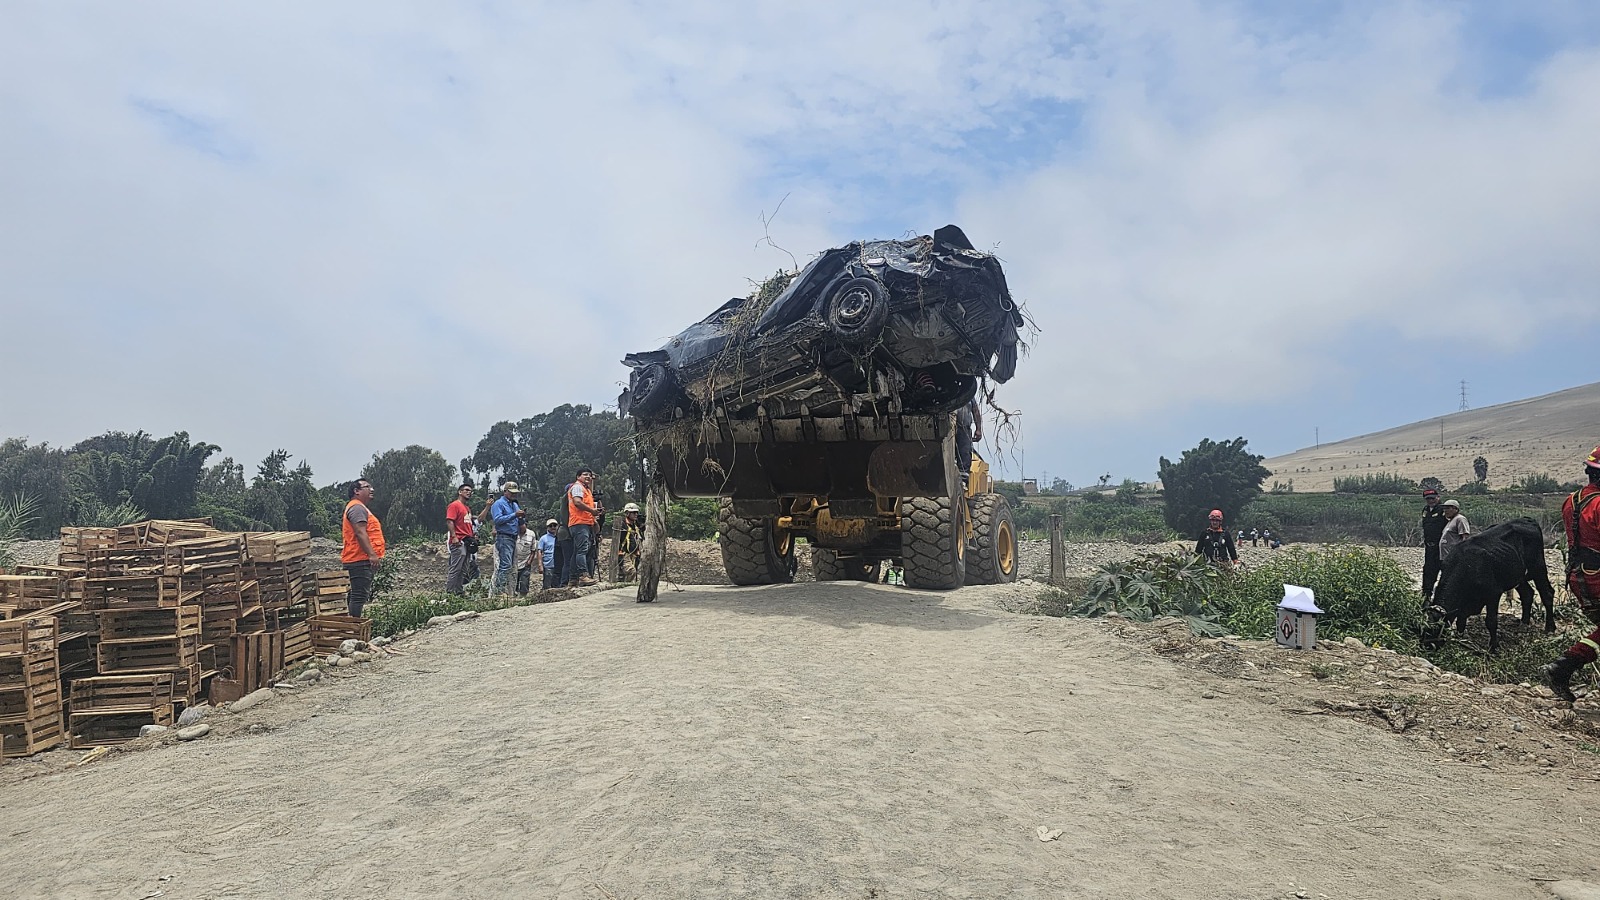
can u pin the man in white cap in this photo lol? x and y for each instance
(547, 552)
(630, 544)
(1456, 529)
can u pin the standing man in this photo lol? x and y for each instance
(1216, 544)
(548, 555)
(363, 543)
(463, 538)
(582, 508)
(507, 517)
(1456, 529)
(1433, 521)
(1580, 515)
(969, 430)
(631, 543)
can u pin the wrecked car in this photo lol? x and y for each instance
(874, 327)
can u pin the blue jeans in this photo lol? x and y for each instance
(505, 552)
(582, 540)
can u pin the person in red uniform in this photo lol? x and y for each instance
(1581, 517)
(363, 544)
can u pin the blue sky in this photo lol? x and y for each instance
(344, 229)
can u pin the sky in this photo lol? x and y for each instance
(344, 228)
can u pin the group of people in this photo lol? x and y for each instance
(1266, 538)
(567, 551)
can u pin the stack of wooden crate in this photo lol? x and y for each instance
(30, 685)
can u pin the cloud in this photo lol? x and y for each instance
(343, 229)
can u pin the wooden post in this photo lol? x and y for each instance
(612, 562)
(653, 555)
(1058, 552)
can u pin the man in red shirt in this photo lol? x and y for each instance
(1581, 517)
(463, 538)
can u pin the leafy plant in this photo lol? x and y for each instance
(1153, 585)
(1380, 483)
(16, 515)
(692, 519)
(91, 513)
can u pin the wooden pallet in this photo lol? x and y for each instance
(110, 729)
(31, 591)
(328, 632)
(71, 578)
(30, 703)
(148, 654)
(136, 590)
(119, 624)
(122, 693)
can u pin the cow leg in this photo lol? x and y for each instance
(1491, 621)
(1525, 594)
(1539, 574)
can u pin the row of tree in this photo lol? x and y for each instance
(118, 477)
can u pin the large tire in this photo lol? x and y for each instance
(752, 552)
(827, 566)
(654, 393)
(994, 558)
(931, 542)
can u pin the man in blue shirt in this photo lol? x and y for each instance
(547, 552)
(507, 516)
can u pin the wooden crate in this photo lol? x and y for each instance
(129, 561)
(296, 643)
(122, 693)
(71, 578)
(148, 654)
(136, 590)
(35, 634)
(328, 632)
(110, 729)
(31, 591)
(277, 546)
(77, 655)
(29, 738)
(119, 624)
(332, 596)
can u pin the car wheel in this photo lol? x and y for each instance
(654, 392)
(856, 312)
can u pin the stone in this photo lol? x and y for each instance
(309, 675)
(194, 732)
(382, 641)
(349, 646)
(1544, 690)
(360, 656)
(148, 730)
(344, 662)
(466, 614)
(331, 658)
(193, 715)
(440, 620)
(251, 700)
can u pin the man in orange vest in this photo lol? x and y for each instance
(363, 543)
(1581, 516)
(582, 507)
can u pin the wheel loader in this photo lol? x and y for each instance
(828, 412)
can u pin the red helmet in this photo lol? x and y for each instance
(1593, 460)
(1217, 513)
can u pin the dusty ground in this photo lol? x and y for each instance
(827, 740)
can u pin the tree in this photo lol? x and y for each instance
(1213, 475)
(1480, 468)
(1432, 484)
(160, 477)
(411, 489)
(42, 473)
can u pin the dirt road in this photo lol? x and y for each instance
(810, 740)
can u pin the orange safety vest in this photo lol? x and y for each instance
(352, 552)
(576, 516)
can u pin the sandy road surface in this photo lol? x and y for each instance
(811, 740)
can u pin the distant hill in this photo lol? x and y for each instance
(1549, 434)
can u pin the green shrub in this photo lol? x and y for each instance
(692, 519)
(1381, 483)
(1474, 489)
(407, 611)
(1365, 594)
(1542, 483)
(1149, 586)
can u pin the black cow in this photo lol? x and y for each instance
(1485, 566)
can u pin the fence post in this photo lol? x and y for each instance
(1058, 552)
(616, 541)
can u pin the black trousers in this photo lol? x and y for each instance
(360, 585)
(1430, 568)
